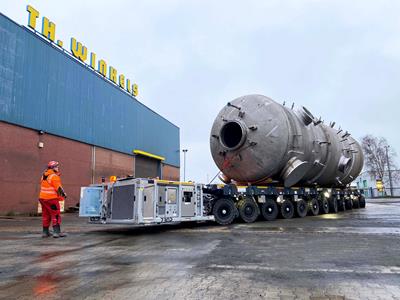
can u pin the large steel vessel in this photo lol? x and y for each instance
(254, 140)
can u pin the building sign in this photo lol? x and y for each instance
(79, 51)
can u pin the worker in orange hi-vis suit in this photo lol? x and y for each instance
(51, 192)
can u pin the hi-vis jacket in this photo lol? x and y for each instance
(50, 186)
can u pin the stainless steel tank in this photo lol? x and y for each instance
(255, 140)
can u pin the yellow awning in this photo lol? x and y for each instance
(144, 153)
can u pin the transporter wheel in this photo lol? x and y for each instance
(333, 205)
(248, 210)
(348, 203)
(361, 200)
(287, 209)
(324, 206)
(224, 211)
(313, 207)
(356, 203)
(269, 209)
(301, 208)
(341, 205)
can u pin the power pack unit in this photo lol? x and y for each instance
(140, 201)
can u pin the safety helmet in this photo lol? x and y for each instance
(52, 164)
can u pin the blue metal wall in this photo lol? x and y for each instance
(43, 88)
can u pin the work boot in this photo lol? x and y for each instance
(46, 232)
(57, 232)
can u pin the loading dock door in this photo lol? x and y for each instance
(146, 167)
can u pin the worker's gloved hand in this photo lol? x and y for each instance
(61, 192)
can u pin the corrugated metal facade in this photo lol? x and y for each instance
(45, 89)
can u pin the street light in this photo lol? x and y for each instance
(184, 164)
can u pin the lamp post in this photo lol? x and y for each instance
(389, 171)
(184, 164)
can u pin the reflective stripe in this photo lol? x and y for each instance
(47, 188)
(49, 192)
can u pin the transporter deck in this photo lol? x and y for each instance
(141, 201)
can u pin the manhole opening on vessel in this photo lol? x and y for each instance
(231, 134)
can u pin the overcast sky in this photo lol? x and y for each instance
(340, 59)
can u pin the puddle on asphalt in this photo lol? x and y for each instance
(46, 285)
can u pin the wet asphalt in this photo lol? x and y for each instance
(350, 255)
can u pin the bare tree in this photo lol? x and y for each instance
(377, 152)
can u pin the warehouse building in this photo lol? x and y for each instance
(55, 107)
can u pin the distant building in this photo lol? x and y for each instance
(367, 182)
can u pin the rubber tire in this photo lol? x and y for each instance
(248, 210)
(333, 205)
(269, 210)
(218, 208)
(301, 208)
(361, 199)
(287, 209)
(356, 203)
(348, 204)
(341, 205)
(313, 207)
(324, 206)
